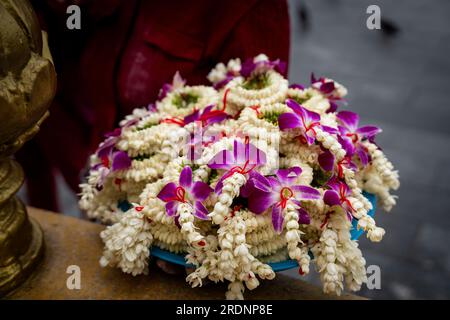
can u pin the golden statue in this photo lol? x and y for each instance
(27, 87)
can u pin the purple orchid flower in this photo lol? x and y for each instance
(250, 67)
(111, 159)
(118, 160)
(222, 83)
(152, 107)
(177, 82)
(326, 158)
(107, 146)
(243, 159)
(297, 86)
(276, 191)
(323, 85)
(186, 192)
(326, 87)
(207, 116)
(337, 195)
(352, 136)
(303, 119)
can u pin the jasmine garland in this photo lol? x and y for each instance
(247, 171)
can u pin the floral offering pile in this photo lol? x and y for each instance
(248, 171)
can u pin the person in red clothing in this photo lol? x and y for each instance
(119, 59)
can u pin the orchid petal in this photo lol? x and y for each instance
(192, 117)
(349, 119)
(333, 107)
(288, 176)
(297, 108)
(222, 160)
(171, 208)
(259, 201)
(330, 130)
(247, 189)
(120, 161)
(346, 144)
(277, 218)
(219, 185)
(200, 211)
(331, 198)
(167, 192)
(297, 86)
(177, 221)
(200, 190)
(327, 87)
(303, 216)
(311, 116)
(363, 156)
(105, 149)
(310, 139)
(289, 121)
(247, 68)
(334, 184)
(186, 177)
(275, 184)
(260, 182)
(326, 160)
(306, 193)
(368, 131)
(115, 133)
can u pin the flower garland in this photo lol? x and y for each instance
(246, 172)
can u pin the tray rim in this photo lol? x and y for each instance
(276, 266)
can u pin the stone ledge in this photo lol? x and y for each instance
(71, 241)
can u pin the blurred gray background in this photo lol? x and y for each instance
(399, 79)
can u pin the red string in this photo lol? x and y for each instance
(325, 221)
(300, 271)
(180, 194)
(118, 182)
(105, 162)
(311, 127)
(256, 108)
(354, 136)
(344, 198)
(205, 117)
(236, 208)
(284, 198)
(341, 164)
(176, 121)
(302, 139)
(225, 99)
(238, 169)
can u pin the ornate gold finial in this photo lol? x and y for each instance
(27, 86)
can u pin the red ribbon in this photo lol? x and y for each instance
(341, 165)
(225, 99)
(176, 121)
(180, 194)
(344, 198)
(353, 136)
(205, 117)
(105, 162)
(238, 169)
(284, 198)
(327, 217)
(256, 108)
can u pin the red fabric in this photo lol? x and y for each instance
(124, 53)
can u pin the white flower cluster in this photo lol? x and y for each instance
(235, 244)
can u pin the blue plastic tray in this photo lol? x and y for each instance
(276, 266)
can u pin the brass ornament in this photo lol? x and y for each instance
(27, 87)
